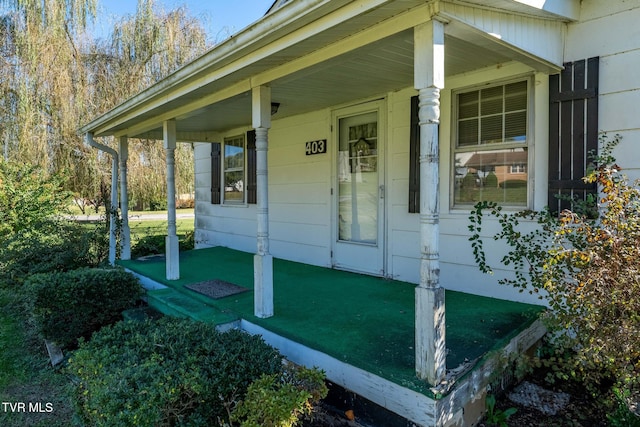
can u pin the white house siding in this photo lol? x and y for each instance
(300, 189)
(217, 225)
(403, 235)
(300, 203)
(299, 195)
(458, 269)
(610, 30)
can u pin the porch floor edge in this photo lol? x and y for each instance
(415, 407)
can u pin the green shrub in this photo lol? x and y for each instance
(158, 204)
(188, 241)
(73, 304)
(148, 245)
(34, 237)
(620, 415)
(168, 372)
(513, 183)
(54, 246)
(281, 400)
(28, 196)
(491, 181)
(588, 271)
(155, 244)
(469, 180)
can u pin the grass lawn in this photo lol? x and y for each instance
(142, 228)
(26, 375)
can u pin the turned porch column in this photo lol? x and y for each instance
(125, 242)
(171, 241)
(430, 304)
(262, 261)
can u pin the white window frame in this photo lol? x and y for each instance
(493, 146)
(518, 168)
(225, 170)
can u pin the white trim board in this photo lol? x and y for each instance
(410, 404)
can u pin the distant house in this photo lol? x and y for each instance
(372, 113)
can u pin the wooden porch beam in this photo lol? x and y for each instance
(430, 308)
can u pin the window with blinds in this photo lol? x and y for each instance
(234, 165)
(233, 162)
(491, 147)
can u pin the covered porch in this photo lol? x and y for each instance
(292, 79)
(357, 328)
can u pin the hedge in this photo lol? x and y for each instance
(171, 372)
(74, 304)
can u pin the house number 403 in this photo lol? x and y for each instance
(316, 147)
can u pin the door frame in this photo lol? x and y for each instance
(380, 107)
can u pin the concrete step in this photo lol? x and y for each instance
(174, 303)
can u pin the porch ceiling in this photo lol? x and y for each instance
(315, 61)
(366, 72)
(377, 68)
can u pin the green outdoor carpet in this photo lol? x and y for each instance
(365, 321)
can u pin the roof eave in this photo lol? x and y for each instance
(240, 44)
(564, 10)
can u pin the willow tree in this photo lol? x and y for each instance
(54, 77)
(143, 49)
(8, 101)
(43, 101)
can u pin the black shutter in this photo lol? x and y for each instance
(252, 180)
(573, 131)
(414, 158)
(216, 172)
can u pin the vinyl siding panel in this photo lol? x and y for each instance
(610, 30)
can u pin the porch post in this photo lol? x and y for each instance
(430, 307)
(262, 261)
(171, 241)
(125, 242)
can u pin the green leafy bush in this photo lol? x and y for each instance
(34, 236)
(159, 204)
(188, 241)
(167, 372)
(28, 197)
(588, 270)
(73, 304)
(148, 245)
(155, 244)
(60, 246)
(620, 415)
(281, 400)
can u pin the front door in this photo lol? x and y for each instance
(359, 195)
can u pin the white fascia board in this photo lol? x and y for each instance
(567, 9)
(562, 10)
(270, 26)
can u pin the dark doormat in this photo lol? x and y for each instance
(216, 288)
